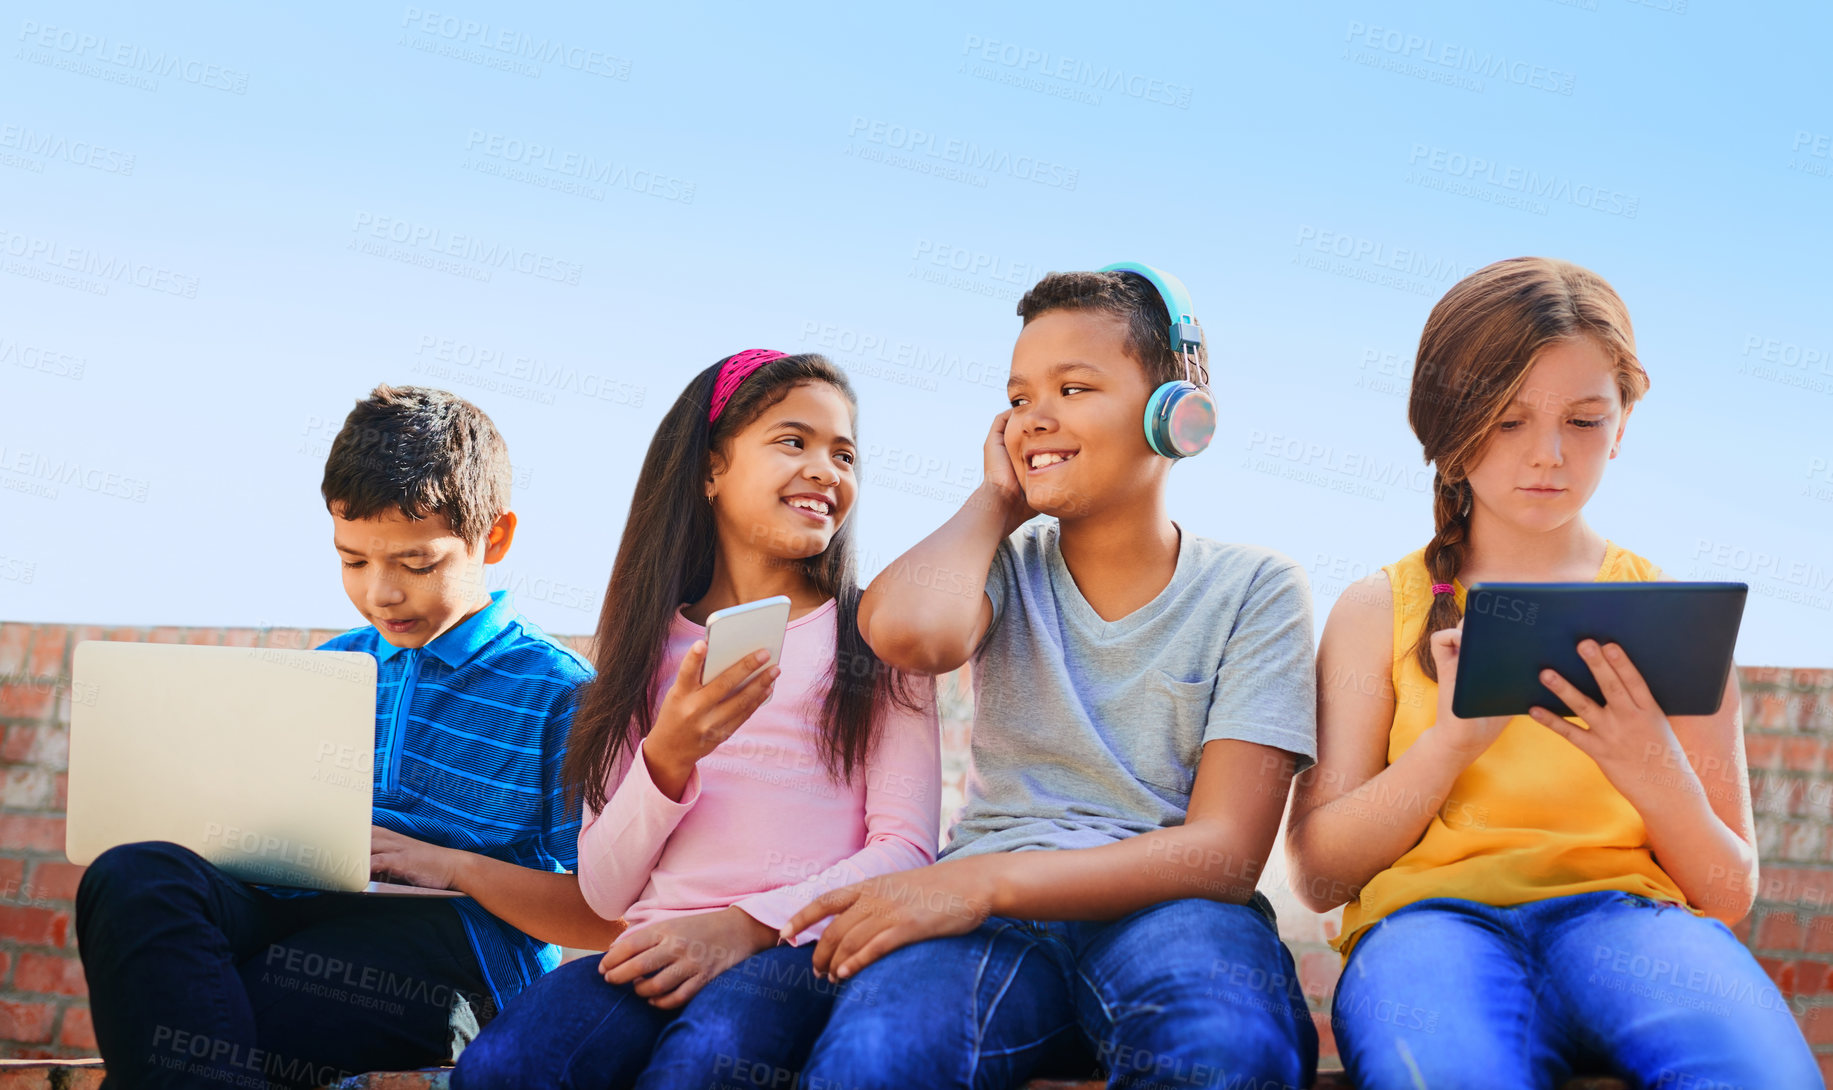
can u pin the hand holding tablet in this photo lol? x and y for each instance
(1623, 733)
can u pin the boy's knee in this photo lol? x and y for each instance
(1222, 1037)
(127, 869)
(490, 1063)
(870, 1053)
(1269, 1048)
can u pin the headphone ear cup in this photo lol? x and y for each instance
(1193, 422)
(1180, 420)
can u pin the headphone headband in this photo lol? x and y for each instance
(1180, 417)
(1186, 336)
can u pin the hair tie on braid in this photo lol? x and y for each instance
(1443, 556)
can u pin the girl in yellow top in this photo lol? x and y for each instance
(1527, 897)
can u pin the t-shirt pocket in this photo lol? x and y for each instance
(1170, 736)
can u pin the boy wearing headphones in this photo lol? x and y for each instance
(1143, 697)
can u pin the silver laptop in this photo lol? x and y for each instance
(260, 760)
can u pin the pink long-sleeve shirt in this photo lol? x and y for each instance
(760, 823)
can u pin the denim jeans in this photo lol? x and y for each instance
(195, 979)
(751, 1026)
(1449, 993)
(1187, 993)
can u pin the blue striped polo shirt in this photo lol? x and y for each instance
(470, 733)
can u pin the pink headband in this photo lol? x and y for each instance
(736, 370)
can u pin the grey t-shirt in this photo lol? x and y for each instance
(1088, 731)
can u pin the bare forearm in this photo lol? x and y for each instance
(1713, 866)
(921, 610)
(546, 905)
(1338, 847)
(669, 770)
(1213, 860)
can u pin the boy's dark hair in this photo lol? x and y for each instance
(418, 450)
(1129, 297)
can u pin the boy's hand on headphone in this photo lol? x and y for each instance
(1001, 476)
(694, 718)
(1467, 737)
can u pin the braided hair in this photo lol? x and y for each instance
(1479, 343)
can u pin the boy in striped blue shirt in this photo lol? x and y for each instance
(198, 979)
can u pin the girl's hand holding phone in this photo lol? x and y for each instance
(694, 718)
(1466, 738)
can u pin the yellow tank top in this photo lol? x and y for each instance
(1532, 818)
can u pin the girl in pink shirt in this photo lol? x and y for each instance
(715, 812)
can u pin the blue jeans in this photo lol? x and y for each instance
(1451, 993)
(750, 1027)
(1187, 993)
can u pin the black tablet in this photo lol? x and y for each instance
(1679, 635)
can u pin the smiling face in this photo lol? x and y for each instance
(784, 483)
(1076, 434)
(415, 579)
(1547, 454)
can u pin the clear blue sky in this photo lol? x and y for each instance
(224, 225)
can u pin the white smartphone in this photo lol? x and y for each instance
(737, 631)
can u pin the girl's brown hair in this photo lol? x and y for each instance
(666, 559)
(1474, 355)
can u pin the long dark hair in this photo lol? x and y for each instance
(666, 559)
(1474, 355)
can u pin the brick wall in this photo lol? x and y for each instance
(1788, 717)
(43, 1007)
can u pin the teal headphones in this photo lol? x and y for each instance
(1180, 415)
